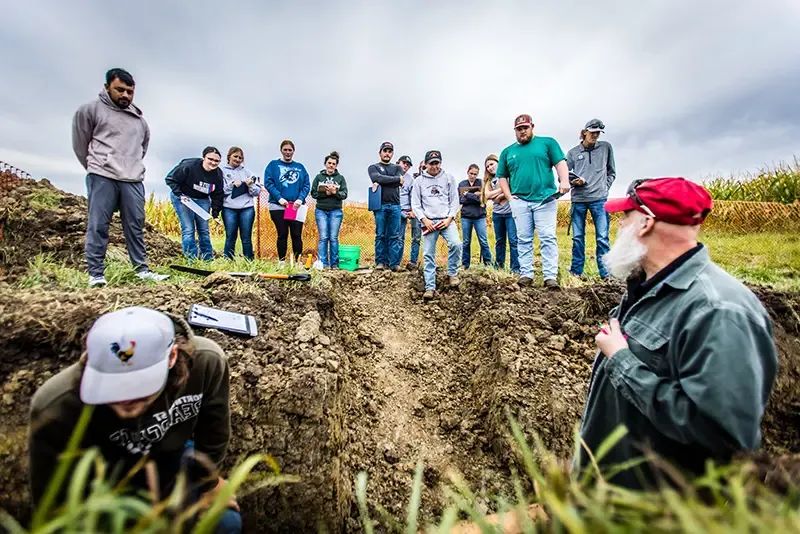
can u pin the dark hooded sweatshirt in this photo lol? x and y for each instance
(189, 178)
(326, 202)
(199, 411)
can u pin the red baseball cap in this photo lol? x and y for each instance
(671, 200)
(523, 120)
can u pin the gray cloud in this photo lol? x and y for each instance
(684, 88)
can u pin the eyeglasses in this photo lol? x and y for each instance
(632, 193)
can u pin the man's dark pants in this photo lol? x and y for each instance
(105, 196)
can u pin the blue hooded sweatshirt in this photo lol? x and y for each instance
(288, 181)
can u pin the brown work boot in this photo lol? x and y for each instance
(429, 294)
(524, 281)
(411, 266)
(551, 284)
(454, 281)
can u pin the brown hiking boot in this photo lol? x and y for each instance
(429, 294)
(524, 281)
(454, 281)
(396, 269)
(551, 284)
(411, 266)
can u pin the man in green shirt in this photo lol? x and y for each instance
(688, 360)
(525, 173)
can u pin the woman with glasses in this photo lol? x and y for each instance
(198, 181)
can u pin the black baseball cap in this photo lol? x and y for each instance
(404, 159)
(386, 144)
(433, 155)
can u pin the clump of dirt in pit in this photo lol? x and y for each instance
(38, 218)
(367, 377)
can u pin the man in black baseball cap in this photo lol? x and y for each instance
(389, 177)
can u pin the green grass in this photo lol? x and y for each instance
(43, 199)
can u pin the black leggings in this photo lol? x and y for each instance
(284, 228)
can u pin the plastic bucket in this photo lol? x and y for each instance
(349, 257)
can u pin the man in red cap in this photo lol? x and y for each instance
(687, 361)
(525, 175)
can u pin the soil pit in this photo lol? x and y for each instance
(37, 218)
(365, 376)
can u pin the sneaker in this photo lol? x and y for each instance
(550, 283)
(524, 281)
(429, 294)
(396, 269)
(97, 281)
(380, 267)
(150, 275)
(454, 281)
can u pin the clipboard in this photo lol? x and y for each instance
(468, 189)
(295, 214)
(206, 317)
(195, 207)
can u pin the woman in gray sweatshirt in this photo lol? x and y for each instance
(238, 208)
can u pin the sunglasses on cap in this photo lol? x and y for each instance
(632, 194)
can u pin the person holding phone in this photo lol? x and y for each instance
(238, 209)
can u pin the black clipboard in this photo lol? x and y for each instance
(207, 317)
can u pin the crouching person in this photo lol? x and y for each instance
(158, 392)
(434, 200)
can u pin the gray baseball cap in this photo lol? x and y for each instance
(128, 353)
(595, 125)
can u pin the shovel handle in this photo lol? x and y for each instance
(293, 277)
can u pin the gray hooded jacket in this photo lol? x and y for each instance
(596, 166)
(110, 141)
(435, 197)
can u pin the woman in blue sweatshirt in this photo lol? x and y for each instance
(200, 180)
(286, 181)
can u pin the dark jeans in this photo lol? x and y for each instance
(466, 237)
(239, 221)
(416, 237)
(105, 196)
(601, 223)
(328, 224)
(284, 228)
(189, 221)
(505, 228)
(387, 235)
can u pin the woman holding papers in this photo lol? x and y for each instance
(197, 187)
(238, 211)
(329, 189)
(288, 184)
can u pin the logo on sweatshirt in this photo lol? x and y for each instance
(434, 190)
(289, 175)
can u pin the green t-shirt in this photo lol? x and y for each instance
(529, 168)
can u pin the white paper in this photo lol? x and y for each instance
(301, 213)
(224, 319)
(192, 205)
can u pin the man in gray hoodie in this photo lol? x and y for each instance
(592, 171)
(110, 138)
(434, 200)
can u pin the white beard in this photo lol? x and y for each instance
(625, 256)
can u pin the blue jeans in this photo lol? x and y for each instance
(328, 224)
(416, 236)
(387, 235)
(539, 217)
(466, 235)
(190, 221)
(450, 235)
(239, 221)
(231, 521)
(504, 227)
(601, 223)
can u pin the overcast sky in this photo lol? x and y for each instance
(684, 88)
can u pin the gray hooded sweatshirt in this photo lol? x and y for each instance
(110, 141)
(596, 166)
(435, 197)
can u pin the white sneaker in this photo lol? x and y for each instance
(97, 281)
(150, 275)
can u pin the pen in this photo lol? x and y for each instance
(204, 315)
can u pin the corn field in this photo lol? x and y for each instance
(780, 183)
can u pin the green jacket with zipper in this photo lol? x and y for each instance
(326, 202)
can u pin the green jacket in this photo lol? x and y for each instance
(327, 202)
(694, 382)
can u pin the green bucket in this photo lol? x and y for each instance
(349, 257)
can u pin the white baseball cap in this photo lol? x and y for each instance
(128, 354)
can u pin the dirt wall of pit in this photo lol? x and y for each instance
(365, 376)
